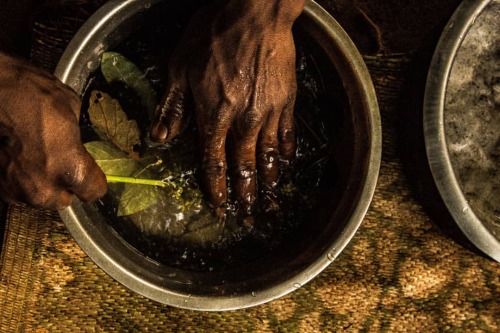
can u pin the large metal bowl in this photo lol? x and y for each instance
(457, 56)
(279, 272)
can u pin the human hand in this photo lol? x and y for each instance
(236, 62)
(42, 159)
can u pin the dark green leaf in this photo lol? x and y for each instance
(117, 68)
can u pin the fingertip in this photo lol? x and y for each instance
(97, 186)
(87, 181)
(158, 133)
(219, 212)
(214, 188)
(65, 199)
(246, 221)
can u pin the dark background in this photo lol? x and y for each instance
(375, 25)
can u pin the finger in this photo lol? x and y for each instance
(243, 172)
(286, 132)
(34, 189)
(171, 113)
(49, 199)
(84, 178)
(44, 195)
(214, 166)
(268, 164)
(63, 200)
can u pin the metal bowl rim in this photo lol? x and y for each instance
(434, 130)
(134, 281)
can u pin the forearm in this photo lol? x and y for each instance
(3, 60)
(268, 11)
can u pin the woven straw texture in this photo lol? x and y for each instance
(398, 274)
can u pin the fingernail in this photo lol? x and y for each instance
(244, 215)
(219, 212)
(246, 221)
(159, 133)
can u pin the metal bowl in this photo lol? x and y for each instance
(279, 272)
(454, 119)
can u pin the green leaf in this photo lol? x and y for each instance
(116, 67)
(111, 160)
(108, 117)
(132, 197)
(136, 198)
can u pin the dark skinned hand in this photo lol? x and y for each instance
(236, 65)
(42, 159)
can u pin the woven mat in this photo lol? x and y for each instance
(399, 273)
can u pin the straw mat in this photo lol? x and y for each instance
(400, 273)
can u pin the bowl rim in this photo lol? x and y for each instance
(434, 131)
(88, 238)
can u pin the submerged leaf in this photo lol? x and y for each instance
(111, 160)
(117, 68)
(108, 117)
(136, 198)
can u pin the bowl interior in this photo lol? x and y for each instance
(461, 134)
(344, 99)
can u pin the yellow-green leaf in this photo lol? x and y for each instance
(107, 116)
(136, 198)
(111, 160)
(132, 198)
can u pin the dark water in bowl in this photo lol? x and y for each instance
(193, 239)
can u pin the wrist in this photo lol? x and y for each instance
(268, 11)
(3, 58)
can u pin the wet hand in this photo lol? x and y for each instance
(42, 160)
(236, 65)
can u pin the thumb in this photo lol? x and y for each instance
(84, 178)
(171, 114)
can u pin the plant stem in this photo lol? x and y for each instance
(133, 180)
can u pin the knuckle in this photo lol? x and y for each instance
(44, 197)
(287, 135)
(74, 173)
(268, 157)
(215, 117)
(215, 168)
(173, 104)
(251, 120)
(244, 170)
